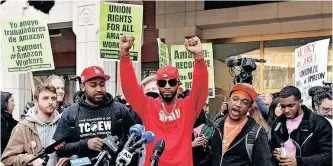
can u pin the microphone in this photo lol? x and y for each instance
(76, 161)
(146, 138)
(125, 156)
(231, 61)
(110, 142)
(158, 150)
(51, 148)
(135, 131)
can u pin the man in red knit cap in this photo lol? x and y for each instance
(169, 117)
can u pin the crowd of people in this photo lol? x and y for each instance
(249, 129)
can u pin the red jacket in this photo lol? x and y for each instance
(176, 127)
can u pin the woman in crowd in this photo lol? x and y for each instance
(255, 113)
(7, 120)
(274, 111)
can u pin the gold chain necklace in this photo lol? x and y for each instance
(226, 136)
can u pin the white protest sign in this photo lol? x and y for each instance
(311, 67)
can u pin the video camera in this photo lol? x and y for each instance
(247, 66)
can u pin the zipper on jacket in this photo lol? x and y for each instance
(300, 147)
(229, 148)
(300, 150)
(306, 139)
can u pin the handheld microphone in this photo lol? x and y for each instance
(125, 156)
(135, 131)
(76, 161)
(51, 148)
(158, 150)
(146, 138)
(110, 142)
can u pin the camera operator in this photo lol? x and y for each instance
(95, 115)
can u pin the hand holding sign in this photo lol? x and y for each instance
(126, 43)
(194, 46)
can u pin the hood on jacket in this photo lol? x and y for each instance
(32, 117)
(107, 101)
(45, 131)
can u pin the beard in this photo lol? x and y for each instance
(47, 111)
(168, 99)
(92, 100)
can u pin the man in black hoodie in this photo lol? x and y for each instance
(299, 136)
(237, 139)
(94, 116)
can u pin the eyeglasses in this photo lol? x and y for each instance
(326, 110)
(171, 82)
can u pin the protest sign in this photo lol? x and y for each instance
(115, 20)
(183, 60)
(163, 54)
(311, 67)
(26, 45)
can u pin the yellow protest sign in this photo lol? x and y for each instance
(26, 45)
(163, 54)
(115, 20)
(183, 60)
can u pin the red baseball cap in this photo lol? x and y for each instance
(167, 72)
(247, 88)
(92, 72)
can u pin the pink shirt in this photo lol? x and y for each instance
(292, 124)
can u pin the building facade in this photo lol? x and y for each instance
(270, 31)
(73, 28)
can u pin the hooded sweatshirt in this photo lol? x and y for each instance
(86, 121)
(45, 131)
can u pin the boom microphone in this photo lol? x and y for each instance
(158, 150)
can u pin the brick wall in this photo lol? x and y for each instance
(64, 48)
(149, 48)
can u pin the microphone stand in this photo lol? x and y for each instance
(154, 160)
(102, 156)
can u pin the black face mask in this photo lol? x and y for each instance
(153, 94)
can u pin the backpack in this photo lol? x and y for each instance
(250, 138)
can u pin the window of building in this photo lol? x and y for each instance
(279, 69)
(148, 68)
(230, 4)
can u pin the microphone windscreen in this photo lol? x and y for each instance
(149, 136)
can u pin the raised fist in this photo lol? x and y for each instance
(194, 46)
(126, 42)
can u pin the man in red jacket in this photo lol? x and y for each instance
(169, 117)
